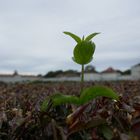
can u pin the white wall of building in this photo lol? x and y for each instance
(17, 78)
(135, 72)
(92, 77)
(109, 76)
(60, 79)
(11, 78)
(125, 77)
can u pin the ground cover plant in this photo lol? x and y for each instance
(71, 111)
(20, 110)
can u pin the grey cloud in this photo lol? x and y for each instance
(31, 37)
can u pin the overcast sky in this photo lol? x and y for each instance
(32, 39)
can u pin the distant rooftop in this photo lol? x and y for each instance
(110, 70)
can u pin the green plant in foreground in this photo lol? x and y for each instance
(82, 54)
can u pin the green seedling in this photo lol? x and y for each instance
(82, 54)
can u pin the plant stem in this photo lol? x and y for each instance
(82, 78)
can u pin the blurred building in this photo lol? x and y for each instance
(90, 74)
(135, 71)
(110, 74)
(15, 77)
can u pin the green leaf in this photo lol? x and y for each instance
(75, 37)
(83, 52)
(59, 99)
(87, 95)
(88, 38)
(44, 105)
(96, 91)
(106, 131)
(79, 62)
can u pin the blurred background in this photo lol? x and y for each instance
(32, 39)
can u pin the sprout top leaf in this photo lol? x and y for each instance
(75, 37)
(88, 38)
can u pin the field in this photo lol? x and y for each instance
(21, 117)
